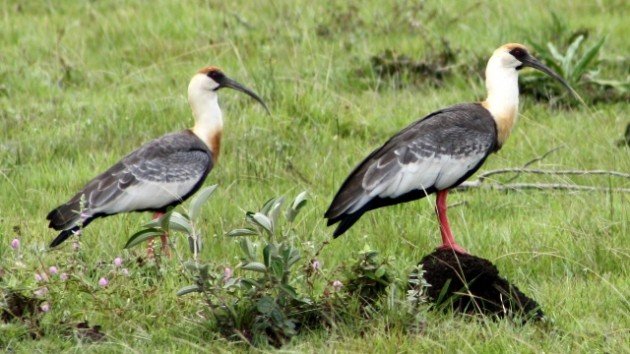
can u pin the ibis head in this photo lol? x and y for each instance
(502, 84)
(203, 100)
(517, 57)
(211, 79)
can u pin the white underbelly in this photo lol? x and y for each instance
(147, 195)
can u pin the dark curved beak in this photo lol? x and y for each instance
(530, 61)
(227, 82)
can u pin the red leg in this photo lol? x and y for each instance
(448, 241)
(165, 247)
(150, 249)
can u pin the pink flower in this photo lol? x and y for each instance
(227, 273)
(103, 282)
(15, 244)
(45, 307)
(125, 272)
(315, 265)
(53, 270)
(337, 285)
(118, 262)
(63, 276)
(38, 277)
(41, 291)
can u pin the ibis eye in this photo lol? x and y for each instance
(216, 75)
(518, 53)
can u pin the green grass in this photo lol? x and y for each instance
(84, 83)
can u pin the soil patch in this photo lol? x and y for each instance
(470, 284)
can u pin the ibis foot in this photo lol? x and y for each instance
(472, 285)
(453, 248)
(150, 249)
(166, 248)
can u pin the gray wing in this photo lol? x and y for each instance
(162, 172)
(435, 153)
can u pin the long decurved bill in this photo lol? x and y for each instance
(532, 62)
(227, 82)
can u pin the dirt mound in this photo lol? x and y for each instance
(471, 284)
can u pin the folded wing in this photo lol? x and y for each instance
(435, 153)
(161, 173)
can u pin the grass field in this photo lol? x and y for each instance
(83, 83)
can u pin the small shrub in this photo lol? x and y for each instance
(400, 68)
(255, 300)
(266, 299)
(569, 54)
(368, 278)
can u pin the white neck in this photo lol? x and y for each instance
(208, 117)
(502, 101)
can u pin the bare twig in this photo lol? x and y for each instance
(536, 159)
(482, 180)
(537, 186)
(553, 172)
(530, 162)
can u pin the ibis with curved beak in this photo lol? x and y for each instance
(439, 151)
(163, 172)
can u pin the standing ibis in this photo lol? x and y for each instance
(439, 151)
(163, 172)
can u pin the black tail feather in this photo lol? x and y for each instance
(65, 215)
(346, 223)
(347, 220)
(64, 236)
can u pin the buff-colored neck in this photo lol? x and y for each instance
(208, 118)
(502, 101)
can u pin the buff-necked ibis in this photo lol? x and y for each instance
(439, 151)
(163, 172)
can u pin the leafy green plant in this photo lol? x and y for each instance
(261, 304)
(266, 298)
(406, 301)
(179, 222)
(382, 291)
(368, 277)
(568, 53)
(268, 281)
